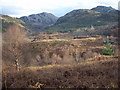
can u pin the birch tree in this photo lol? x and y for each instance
(13, 41)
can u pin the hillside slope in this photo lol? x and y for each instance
(81, 18)
(37, 22)
(7, 21)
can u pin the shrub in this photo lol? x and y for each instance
(108, 52)
(108, 49)
(108, 45)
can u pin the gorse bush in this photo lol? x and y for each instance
(108, 52)
(108, 45)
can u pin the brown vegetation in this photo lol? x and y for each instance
(14, 40)
(56, 63)
(89, 74)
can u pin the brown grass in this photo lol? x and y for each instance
(64, 64)
(92, 74)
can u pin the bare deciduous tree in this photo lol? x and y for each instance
(13, 41)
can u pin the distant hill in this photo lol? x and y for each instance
(80, 21)
(6, 21)
(81, 18)
(38, 22)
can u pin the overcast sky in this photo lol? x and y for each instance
(17, 8)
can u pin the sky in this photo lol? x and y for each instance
(18, 8)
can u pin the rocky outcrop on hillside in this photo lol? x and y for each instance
(43, 18)
(104, 9)
(38, 22)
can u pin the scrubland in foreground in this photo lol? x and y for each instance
(101, 72)
(59, 63)
(69, 63)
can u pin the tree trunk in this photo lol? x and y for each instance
(77, 54)
(17, 65)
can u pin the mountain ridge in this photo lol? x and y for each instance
(75, 19)
(44, 18)
(104, 9)
(40, 21)
(81, 18)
